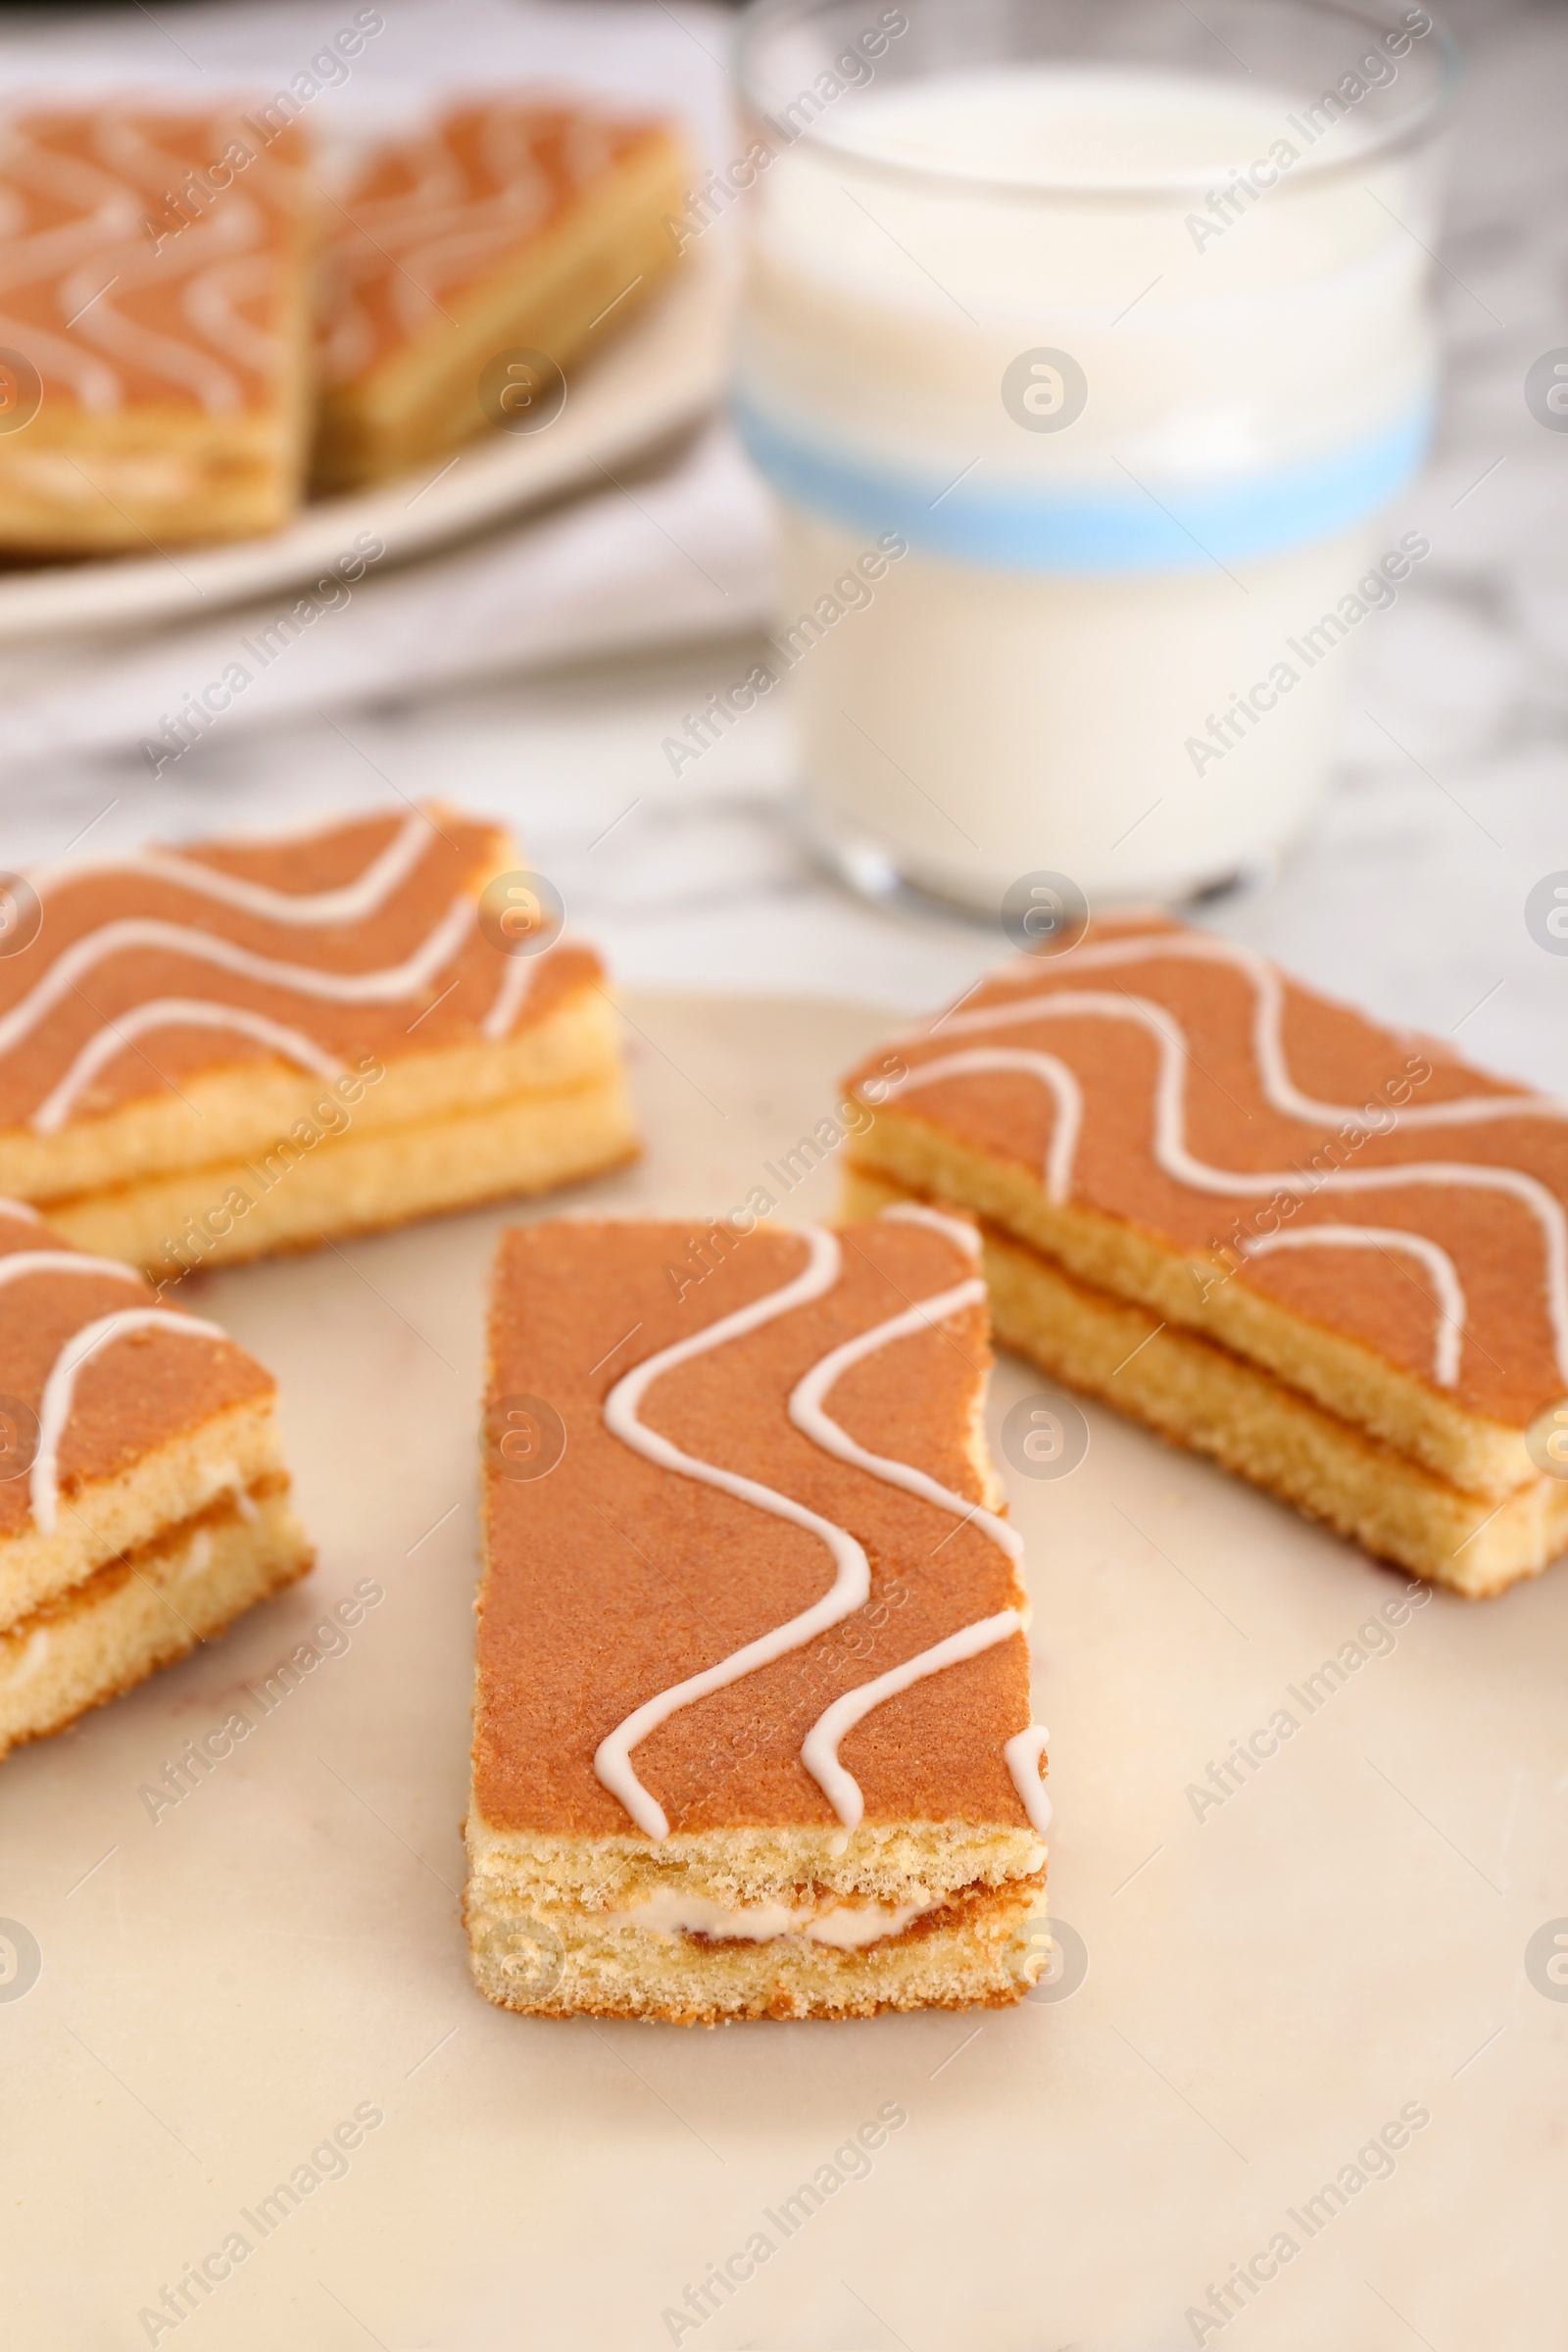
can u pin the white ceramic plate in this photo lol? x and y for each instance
(660, 372)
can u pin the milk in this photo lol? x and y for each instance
(1083, 661)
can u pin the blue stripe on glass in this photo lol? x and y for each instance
(1021, 527)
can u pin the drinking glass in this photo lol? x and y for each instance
(1084, 348)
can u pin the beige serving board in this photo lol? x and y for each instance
(1271, 1980)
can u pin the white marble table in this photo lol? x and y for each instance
(1447, 805)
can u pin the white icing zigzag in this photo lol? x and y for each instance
(189, 1012)
(457, 220)
(806, 1413)
(1052, 1073)
(59, 1389)
(852, 1584)
(1169, 1140)
(1438, 1265)
(351, 902)
(96, 260)
(515, 982)
(820, 1750)
(962, 1231)
(385, 986)
(1268, 1042)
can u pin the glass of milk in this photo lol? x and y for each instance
(1084, 347)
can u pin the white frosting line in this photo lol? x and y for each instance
(1173, 1157)
(19, 1209)
(851, 1579)
(18, 1262)
(443, 231)
(96, 385)
(805, 1409)
(348, 904)
(103, 324)
(1278, 1087)
(212, 304)
(958, 1230)
(819, 1750)
(806, 1413)
(59, 1391)
(105, 192)
(1021, 1755)
(975, 1061)
(99, 217)
(163, 1013)
(351, 902)
(852, 1585)
(1438, 1265)
(387, 986)
(515, 982)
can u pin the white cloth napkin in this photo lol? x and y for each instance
(686, 555)
(683, 555)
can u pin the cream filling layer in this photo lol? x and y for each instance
(674, 1911)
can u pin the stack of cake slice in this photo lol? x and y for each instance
(502, 238)
(252, 1046)
(1332, 1257)
(156, 385)
(143, 1498)
(753, 1731)
(180, 295)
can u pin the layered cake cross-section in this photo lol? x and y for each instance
(514, 226)
(1328, 1253)
(753, 1731)
(154, 327)
(247, 1045)
(143, 1497)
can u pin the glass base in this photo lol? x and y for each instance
(873, 873)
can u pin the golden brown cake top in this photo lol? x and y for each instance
(94, 1373)
(1367, 1179)
(429, 217)
(192, 312)
(367, 940)
(689, 1606)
